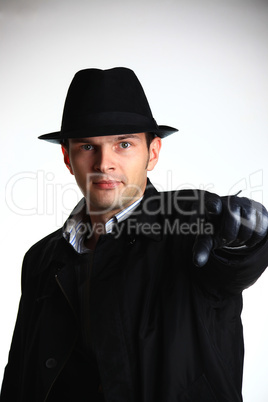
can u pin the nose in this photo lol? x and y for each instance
(104, 161)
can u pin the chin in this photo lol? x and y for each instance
(104, 207)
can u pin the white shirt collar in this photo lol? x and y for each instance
(78, 226)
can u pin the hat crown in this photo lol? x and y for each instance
(114, 90)
(104, 97)
(106, 102)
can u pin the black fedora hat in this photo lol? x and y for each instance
(106, 102)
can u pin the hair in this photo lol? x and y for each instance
(149, 139)
(65, 143)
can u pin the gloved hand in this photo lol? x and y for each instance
(235, 222)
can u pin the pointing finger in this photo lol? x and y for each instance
(201, 250)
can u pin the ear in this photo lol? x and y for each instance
(66, 159)
(154, 151)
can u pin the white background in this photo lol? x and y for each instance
(203, 65)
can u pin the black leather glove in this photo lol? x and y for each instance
(235, 222)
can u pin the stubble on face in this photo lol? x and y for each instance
(109, 191)
(104, 200)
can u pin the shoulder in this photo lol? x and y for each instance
(53, 247)
(181, 203)
(188, 195)
(177, 202)
(44, 244)
(41, 253)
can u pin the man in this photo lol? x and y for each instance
(138, 296)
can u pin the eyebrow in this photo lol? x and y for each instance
(126, 136)
(118, 138)
(80, 140)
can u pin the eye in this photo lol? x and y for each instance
(124, 145)
(87, 147)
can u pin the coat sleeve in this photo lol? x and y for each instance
(235, 269)
(12, 380)
(228, 270)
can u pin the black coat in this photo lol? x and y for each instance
(162, 329)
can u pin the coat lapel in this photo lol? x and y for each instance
(62, 263)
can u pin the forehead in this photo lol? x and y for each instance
(108, 138)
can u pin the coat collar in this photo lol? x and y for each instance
(143, 219)
(149, 217)
(147, 220)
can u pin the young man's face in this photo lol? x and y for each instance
(111, 171)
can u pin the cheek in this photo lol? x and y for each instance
(79, 169)
(79, 165)
(137, 173)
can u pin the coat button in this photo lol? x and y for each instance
(132, 241)
(51, 363)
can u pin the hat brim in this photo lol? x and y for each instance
(58, 136)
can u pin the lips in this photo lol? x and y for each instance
(106, 184)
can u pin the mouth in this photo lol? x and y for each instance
(106, 184)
